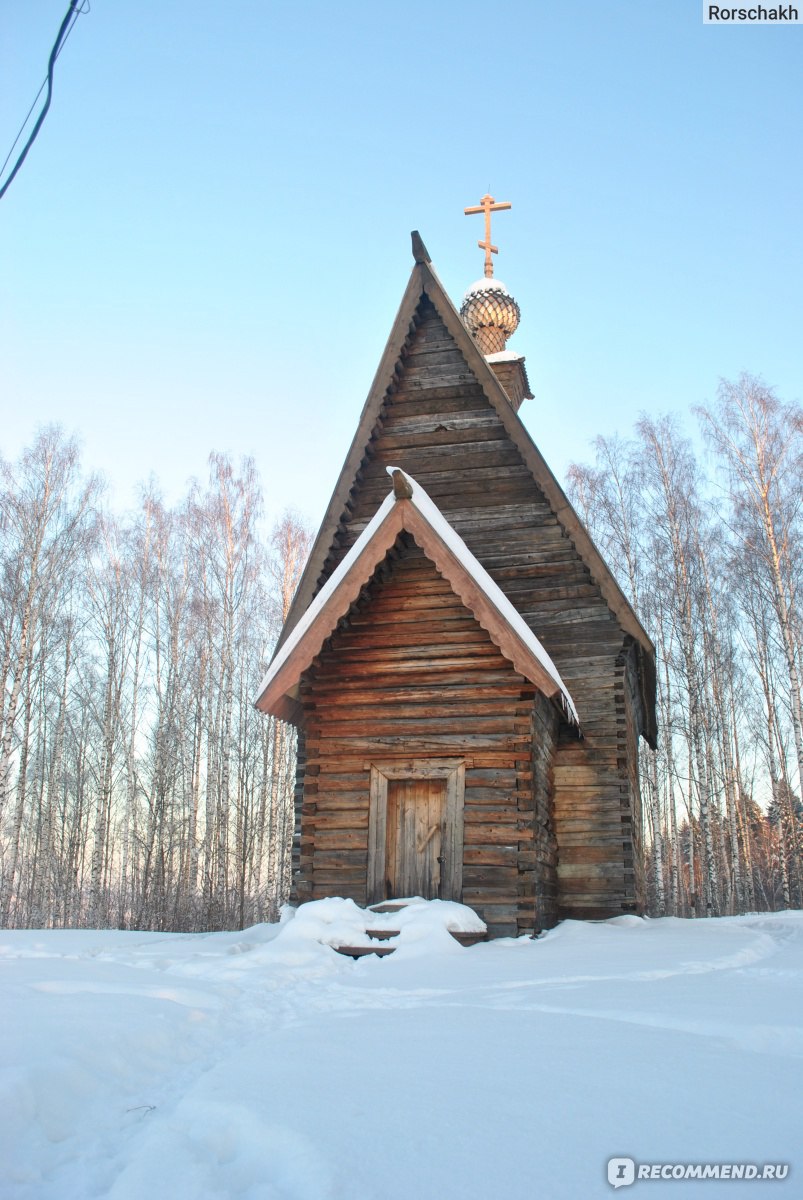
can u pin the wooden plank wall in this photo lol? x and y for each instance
(545, 847)
(411, 674)
(632, 695)
(438, 425)
(298, 896)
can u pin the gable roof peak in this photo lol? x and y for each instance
(424, 285)
(420, 252)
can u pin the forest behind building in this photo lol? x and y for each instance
(139, 788)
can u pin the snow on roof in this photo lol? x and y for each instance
(504, 356)
(327, 590)
(488, 284)
(435, 519)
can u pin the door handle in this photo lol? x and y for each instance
(423, 845)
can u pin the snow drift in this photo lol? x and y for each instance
(261, 1064)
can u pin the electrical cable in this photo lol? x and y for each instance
(33, 106)
(65, 29)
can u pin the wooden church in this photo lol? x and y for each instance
(468, 682)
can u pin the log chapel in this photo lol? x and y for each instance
(468, 682)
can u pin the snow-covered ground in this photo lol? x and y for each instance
(264, 1065)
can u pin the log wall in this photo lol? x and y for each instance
(298, 808)
(410, 674)
(544, 881)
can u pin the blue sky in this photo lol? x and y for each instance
(207, 244)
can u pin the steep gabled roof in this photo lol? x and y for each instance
(408, 507)
(425, 283)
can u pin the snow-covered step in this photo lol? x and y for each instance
(469, 939)
(361, 951)
(384, 935)
(382, 927)
(376, 935)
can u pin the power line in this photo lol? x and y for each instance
(73, 13)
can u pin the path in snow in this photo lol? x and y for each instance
(261, 1066)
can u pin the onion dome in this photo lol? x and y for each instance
(490, 313)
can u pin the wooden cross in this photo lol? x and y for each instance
(488, 205)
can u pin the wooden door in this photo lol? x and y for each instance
(415, 828)
(414, 831)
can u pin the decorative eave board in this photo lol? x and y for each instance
(409, 508)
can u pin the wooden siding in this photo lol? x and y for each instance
(545, 847)
(437, 424)
(632, 695)
(302, 776)
(411, 674)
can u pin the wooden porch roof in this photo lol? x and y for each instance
(409, 508)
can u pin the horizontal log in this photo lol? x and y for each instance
(596, 889)
(499, 687)
(374, 638)
(491, 856)
(344, 846)
(472, 744)
(354, 861)
(383, 708)
(414, 433)
(610, 852)
(493, 834)
(490, 758)
(486, 879)
(499, 895)
(347, 889)
(343, 802)
(482, 777)
(604, 809)
(467, 455)
(378, 660)
(491, 908)
(450, 400)
(594, 873)
(584, 775)
(496, 796)
(599, 838)
(353, 819)
(451, 668)
(467, 724)
(497, 814)
(337, 781)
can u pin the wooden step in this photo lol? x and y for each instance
(469, 939)
(387, 906)
(361, 951)
(383, 935)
